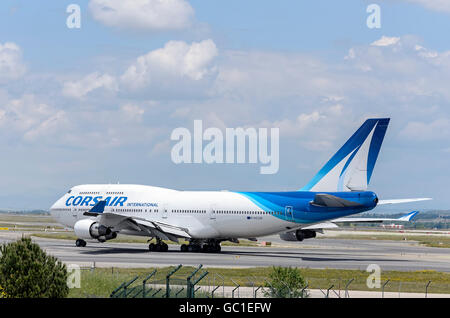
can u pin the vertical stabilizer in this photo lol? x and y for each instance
(351, 168)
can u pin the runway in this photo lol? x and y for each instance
(314, 253)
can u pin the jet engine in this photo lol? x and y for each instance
(298, 235)
(90, 229)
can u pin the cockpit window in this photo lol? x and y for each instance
(69, 191)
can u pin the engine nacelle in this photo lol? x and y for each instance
(89, 229)
(298, 235)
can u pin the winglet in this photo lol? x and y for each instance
(408, 217)
(98, 208)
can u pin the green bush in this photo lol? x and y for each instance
(285, 282)
(26, 271)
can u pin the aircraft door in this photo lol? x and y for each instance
(164, 211)
(289, 213)
(212, 212)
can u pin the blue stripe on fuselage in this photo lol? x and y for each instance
(303, 211)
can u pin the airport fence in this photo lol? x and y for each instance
(179, 282)
(163, 284)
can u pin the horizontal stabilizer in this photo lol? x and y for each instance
(405, 218)
(397, 201)
(408, 217)
(331, 201)
(332, 223)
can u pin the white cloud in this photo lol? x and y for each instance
(386, 41)
(11, 65)
(133, 112)
(27, 117)
(316, 130)
(177, 60)
(436, 5)
(153, 15)
(91, 82)
(438, 129)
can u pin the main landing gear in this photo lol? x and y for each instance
(160, 246)
(80, 243)
(211, 247)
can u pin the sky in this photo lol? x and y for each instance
(98, 104)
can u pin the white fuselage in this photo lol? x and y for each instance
(206, 214)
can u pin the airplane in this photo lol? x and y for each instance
(204, 219)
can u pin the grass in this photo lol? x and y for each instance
(12, 226)
(26, 218)
(426, 240)
(102, 281)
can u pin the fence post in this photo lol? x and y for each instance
(426, 289)
(196, 282)
(223, 284)
(212, 293)
(168, 280)
(237, 287)
(347, 295)
(382, 290)
(178, 292)
(127, 285)
(303, 290)
(256, 290)
(189, 287)
(117, 290)
(328, 291)
(145, 281)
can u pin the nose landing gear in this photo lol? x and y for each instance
(80, 243)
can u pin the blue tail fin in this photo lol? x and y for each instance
(351, 168)
(99, 207)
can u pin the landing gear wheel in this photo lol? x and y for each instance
(80, 243)
(159, 247)
(194, 248)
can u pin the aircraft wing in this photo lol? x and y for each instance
(119, 222)
(153, 228)
(333, 223)
(321, 226)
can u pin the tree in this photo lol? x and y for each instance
(285, 282)
(26, 271)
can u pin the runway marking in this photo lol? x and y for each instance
(4, 229)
